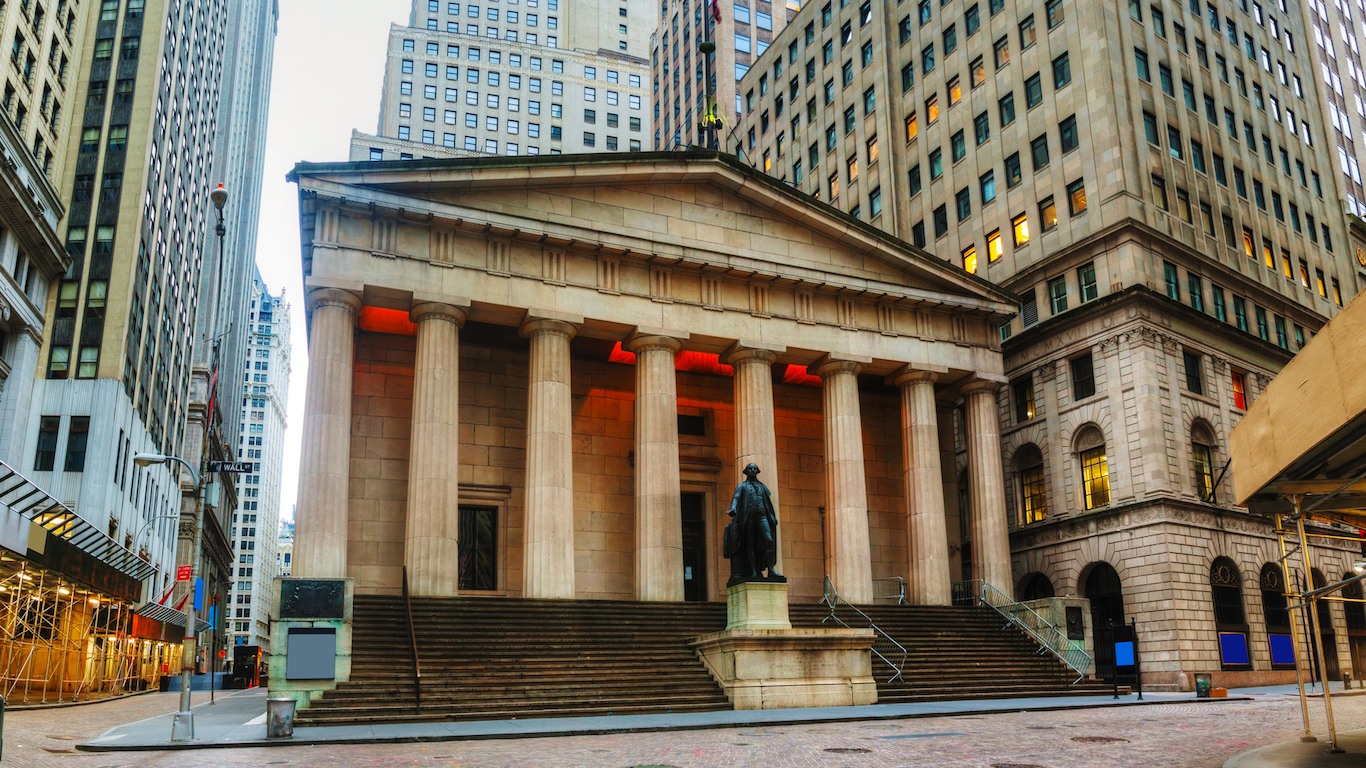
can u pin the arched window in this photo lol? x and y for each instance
(1330, 646)
(1356, 612)
(1095, 474)
(1033, 497)
(1229, 620)
(1036, 587)
(1102, 588)
(1277, 615)
(1202, 452)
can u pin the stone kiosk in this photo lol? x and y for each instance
(760, 660)
(537, 377)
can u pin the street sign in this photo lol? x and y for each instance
(182, 573)
(230, 466)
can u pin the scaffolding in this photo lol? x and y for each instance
(62, 642)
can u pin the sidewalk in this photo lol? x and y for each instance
(239, 720)
(1295, 754)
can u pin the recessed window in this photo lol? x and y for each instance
(1083, 377)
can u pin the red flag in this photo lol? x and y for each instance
(716, 10)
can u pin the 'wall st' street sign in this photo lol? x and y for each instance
(230, 466)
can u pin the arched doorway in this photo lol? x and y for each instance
(1356, 622)
(1230, 622)
(1330, 645)
(1276, 612)
(1035, 587)
(1103, 589)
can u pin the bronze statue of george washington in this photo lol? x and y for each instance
(751, 538)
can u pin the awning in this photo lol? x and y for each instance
(168, 615)
(25, 497)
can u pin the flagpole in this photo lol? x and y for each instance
(707, 126)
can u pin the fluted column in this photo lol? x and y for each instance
(431, 551)
(848, 558)
(755, 435)
(659, 515)
(990, 536)
(548, 548)
(325, 461)
(927, 541)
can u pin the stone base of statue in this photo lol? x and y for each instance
(761, 662)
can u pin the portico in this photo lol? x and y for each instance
(521, 367)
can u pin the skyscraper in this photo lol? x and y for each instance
(678, 71)
(256, 521)
(1150, 179)
(1338, 36)
(462, 79)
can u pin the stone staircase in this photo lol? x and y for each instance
(494, 658)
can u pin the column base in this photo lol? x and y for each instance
(757, 605)
(787, 668)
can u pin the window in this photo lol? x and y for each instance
(1086, 283)
(1067, 134)
(1159, 186)
(48, 426)
(1033, 497)
(1027, 32)
(1239, 383)
(1022, 391)
(941, 222)
(1002, 52)
(1083, 377)
(1013, 174)
(1195, 382)
(987, 184)
(477, 541)
(936, 164)
(958, 146)
(1094, 471)
(981, 128)
(1076, 197)
(1240, 313)
(1033, 91)
(1141, 65)
(1048, 215)
(1038, 149)
(1020, 224)
(963, 202)
(1007, 109)
(970, 260)
(1062, 72)
(77, 436)
(1150, 128)
(1173, 283)
(1057, 295)
(993, 246)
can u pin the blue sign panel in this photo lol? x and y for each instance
(1124, 654)
(1233, 648)
(199, 594)
(1282, 650)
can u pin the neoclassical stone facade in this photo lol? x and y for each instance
(541, 376)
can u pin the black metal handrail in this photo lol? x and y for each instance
(412, 642)
(892, 653)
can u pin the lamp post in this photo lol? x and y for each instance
(182, 726)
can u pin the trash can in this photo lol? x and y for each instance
(1203, 684)
(280, 718)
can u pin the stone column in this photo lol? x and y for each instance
(990, 535)
(325, 462)
(659, 516)
(430, 550)
(848, 557)
(755, 435)
(548, 544)
(927, 541)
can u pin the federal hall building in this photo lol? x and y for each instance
(540, 377)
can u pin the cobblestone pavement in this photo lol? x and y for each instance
(1175, 735)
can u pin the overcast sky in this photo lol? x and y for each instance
(329, 64)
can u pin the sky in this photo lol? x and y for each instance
(325, 81)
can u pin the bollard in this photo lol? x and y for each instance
(280, 718)
(1346, 681)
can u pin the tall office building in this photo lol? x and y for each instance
(37, 105)
(256, 521)
(678, 72)
(1151, 178)
(284, 549)
(1339, 33)
(513, 77)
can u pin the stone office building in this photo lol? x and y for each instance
(539, 377)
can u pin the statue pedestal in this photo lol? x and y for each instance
(761, 662)
(757, 605)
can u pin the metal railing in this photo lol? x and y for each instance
(1050, 638)
(892, 653)
(412, 642)
(891, 588)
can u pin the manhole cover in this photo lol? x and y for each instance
(62, 738)
(59, 751)
(1041, 727)
(1015, 765)
(848, 750)
(741, 744)
(1099, 740)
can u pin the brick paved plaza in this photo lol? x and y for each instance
(1175, 735)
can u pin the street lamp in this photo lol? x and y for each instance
(182, 726)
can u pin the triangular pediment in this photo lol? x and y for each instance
(700, 207)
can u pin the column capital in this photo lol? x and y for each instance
(333, 297)
(646, 337)
(432, 310)
(541, 321)
(838, 362)
(745, 350)
(983, 382)
(908, 374)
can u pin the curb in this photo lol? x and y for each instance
(296, 741)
